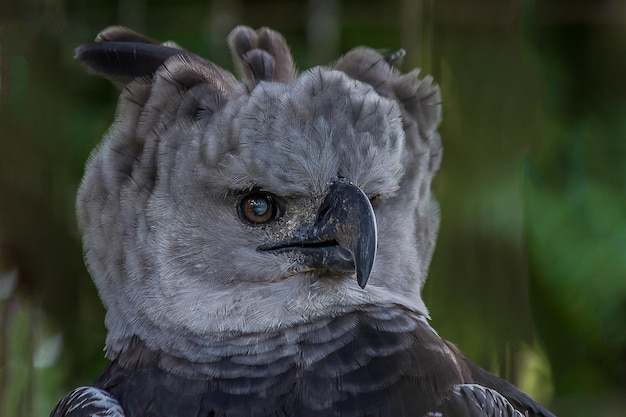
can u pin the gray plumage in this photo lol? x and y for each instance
(217, 306)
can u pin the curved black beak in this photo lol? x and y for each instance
(343, 238)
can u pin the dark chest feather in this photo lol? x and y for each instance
(382, 363)
(374, 369)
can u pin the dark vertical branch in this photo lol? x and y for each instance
(430, 53)
(132, 13)
(417, 31)
(8, 282)
(323, 30)
(33, 330)
(411, 23)
(5, 321)
(223, 16)
(4, 98)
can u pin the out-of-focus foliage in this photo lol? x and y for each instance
(575, 195)
(529, 277)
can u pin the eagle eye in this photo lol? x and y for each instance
(258, 207)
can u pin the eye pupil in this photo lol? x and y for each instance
(258, 207)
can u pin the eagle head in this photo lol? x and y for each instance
(216, 206)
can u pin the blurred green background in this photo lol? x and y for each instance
(529, 276)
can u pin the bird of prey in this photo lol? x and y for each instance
(260, 244)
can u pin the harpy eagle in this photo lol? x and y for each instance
(231, 227)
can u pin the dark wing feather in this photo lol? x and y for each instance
(473, 400)
(516, 397)
(88, 402)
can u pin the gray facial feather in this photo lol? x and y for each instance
(174, 262)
